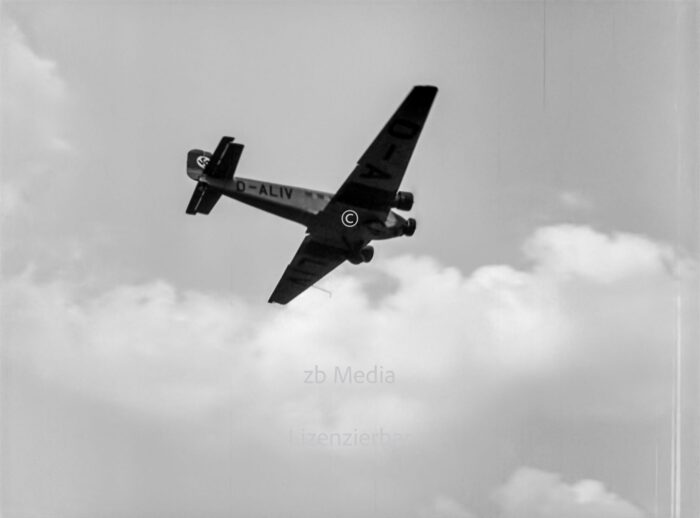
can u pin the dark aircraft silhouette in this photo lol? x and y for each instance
(339, 226)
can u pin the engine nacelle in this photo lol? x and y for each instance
(403, 200)
(410, 227)
(364, 255)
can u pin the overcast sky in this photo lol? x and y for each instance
(526, 338)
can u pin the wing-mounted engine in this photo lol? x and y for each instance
(403, 200)
(364, 255)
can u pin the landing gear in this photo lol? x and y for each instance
(363, 256)
(410, 227)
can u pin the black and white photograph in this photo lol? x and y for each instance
(349, 258)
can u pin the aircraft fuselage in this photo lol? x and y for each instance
(302, 205)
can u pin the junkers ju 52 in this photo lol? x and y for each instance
(339, 226)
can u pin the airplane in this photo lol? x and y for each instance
(339, 226)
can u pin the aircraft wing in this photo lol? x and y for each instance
(312, 261)
(375, 180)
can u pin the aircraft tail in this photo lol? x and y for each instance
(197, 161)
(220, 165)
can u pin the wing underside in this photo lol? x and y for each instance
(368, 192)
(373, 183)
(312, 262)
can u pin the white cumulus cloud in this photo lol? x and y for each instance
(32, 113)
(445, 507)
(573, 250)
(496, 328)
(533, 493)
(464, 350)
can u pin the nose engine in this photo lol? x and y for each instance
(403, 201)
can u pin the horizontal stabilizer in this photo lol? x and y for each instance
(220, 165)
(203, 199)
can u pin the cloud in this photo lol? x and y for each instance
(584, 298)
(574, 201)
(583, 334)
(592, 305)
(32, 113)
(145, 347)
(32, 91)
(445, 507)
(533, 493)
(579, 251)
(10, 198)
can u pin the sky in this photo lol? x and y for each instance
(528, 353)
